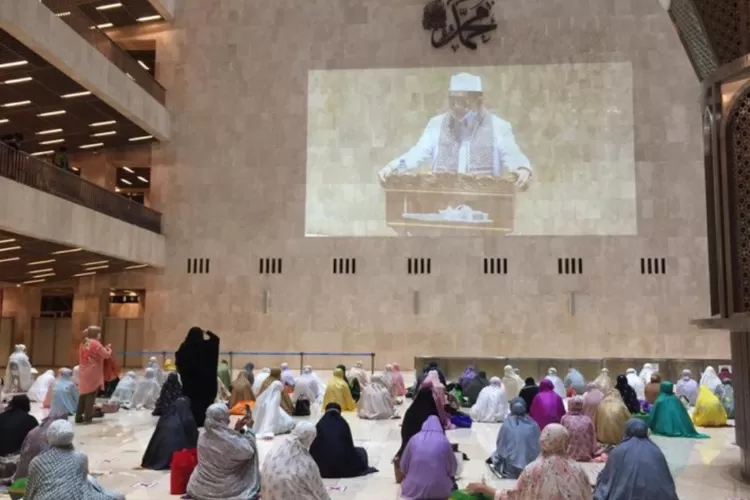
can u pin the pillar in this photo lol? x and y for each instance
(90, 306)
(23, 304)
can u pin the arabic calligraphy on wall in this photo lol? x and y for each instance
(459, 22)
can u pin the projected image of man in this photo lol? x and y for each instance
(467, 139)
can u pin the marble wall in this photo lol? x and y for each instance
(232, 186)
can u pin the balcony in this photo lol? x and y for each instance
(40, 175)
(69, 12)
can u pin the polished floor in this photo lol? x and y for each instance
(703, 469)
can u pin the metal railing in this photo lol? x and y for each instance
(38, 174)
(74, 17)
(232, 354)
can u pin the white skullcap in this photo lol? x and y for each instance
(464, 82)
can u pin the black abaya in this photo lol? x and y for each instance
(15, 424)
(529, 392)
(197, 360)
(333, 449)
(176, 430)
(422, 407)
(475, 387)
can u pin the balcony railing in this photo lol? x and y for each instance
(38, 174)
(68, 12)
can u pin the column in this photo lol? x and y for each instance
(23, 304)
(90, 305)
(740, 372)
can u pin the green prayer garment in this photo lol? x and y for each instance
(224, 375)
(669, 417)
(462, 495)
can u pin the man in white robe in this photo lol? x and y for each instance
(636, 383)
(512, 382)
(466, 139)
(492, 403)
(557, 382)
(646, 373)
(375, 402)
(18, 373)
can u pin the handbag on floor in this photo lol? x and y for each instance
(182, 466)
(302, 408)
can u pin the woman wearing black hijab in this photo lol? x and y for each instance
(15, 424)
(416, 415)
(197, 360)
(333, 448)
(529, 391)
(175, 431)
(628, 394)
(170, 391)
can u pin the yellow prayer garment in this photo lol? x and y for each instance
(709, 412)
(337, 391)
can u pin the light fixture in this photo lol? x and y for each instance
(16, 104)
(92, 145)
(102, 124)
(129, 170)
(117, 190)
(4, 120)
(104, 134)
(53, 141)
(9, 240)
(34, 281)
(44, 275)
(75, 169)
(96, 263)
(8, 249)
(13, 64)
(142, 179)
(49, 131)
(130, 76)
(137, 266)
(97, 267)
(62, 14)
(39, 262)
(18, 80)
(10, 259)
(52, 113)
(43, 153)
(125, 181)
(46, 270)
(103, 26)
(146, 19)
(69, 250)
(109, 6)
(76, 94)
(84, 274)
(141, 138)
(143, 65)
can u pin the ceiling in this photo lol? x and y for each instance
(118, 13)
(85, 115)
(30, 264)
(133, 178)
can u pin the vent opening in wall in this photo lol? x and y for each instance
(198, 266)
(269, 265)
(653, 265)
(495, 265)
(343, 265)
(570, 265)
(419, 265)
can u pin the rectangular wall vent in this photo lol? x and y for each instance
(570, 266)
(653, 265)
(419, 265)
(198, 266)
(342, 265)
(495, 265)
(269, 265)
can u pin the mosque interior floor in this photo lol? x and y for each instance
(703, 469)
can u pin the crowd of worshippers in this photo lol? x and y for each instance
(546, 428)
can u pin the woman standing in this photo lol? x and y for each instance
(197, 363)
(91, 356)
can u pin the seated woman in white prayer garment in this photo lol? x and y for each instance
(62, 472)
(557, 382)
(358, 372)
(40, 386)
(228, 465)
(710, 379)
(123, 394)
(308, 386)
(259, 379)
(270, 418)
(289, 471)
(492, 403)
(375, 402)
(146, 391)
